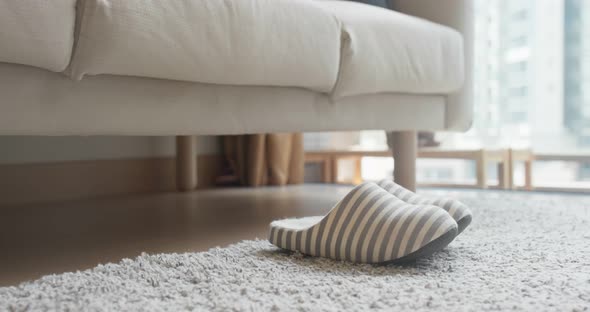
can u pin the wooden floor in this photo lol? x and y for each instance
(36, 240)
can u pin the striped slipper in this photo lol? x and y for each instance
(455, 208)
(368, 226)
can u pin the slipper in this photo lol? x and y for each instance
(454, 208)
(368, 226)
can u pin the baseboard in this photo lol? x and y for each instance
(44, 182)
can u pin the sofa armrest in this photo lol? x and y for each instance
(457, 14)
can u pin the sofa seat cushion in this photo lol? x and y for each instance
(290, 43)
(386, 51)
(37, 33)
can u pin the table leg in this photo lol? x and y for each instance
(326, 169)
(358, 170)
(510, 164)
(503, 173)
(334, 169)
(528, 174)
(481, 165)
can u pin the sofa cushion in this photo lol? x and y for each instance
(37, 32)
(257, 42)
(386, 51)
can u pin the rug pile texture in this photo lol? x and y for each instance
(522, 252)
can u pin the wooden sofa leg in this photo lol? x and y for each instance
(404, 145)
(186, 163)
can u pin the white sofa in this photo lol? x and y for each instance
(211, 67)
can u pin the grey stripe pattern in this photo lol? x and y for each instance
(453, 207)
(369, 225)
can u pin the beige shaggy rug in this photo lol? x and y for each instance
(522, 252)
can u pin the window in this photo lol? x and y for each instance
(518, 92)
(519, 41)
(518, 67)
(520, 15)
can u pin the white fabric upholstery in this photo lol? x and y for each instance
(256, 42)
(37, 32)
(387, 51)
(396, 73)
(457, 14)
(38, 102)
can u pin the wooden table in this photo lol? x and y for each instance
(505, 159)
